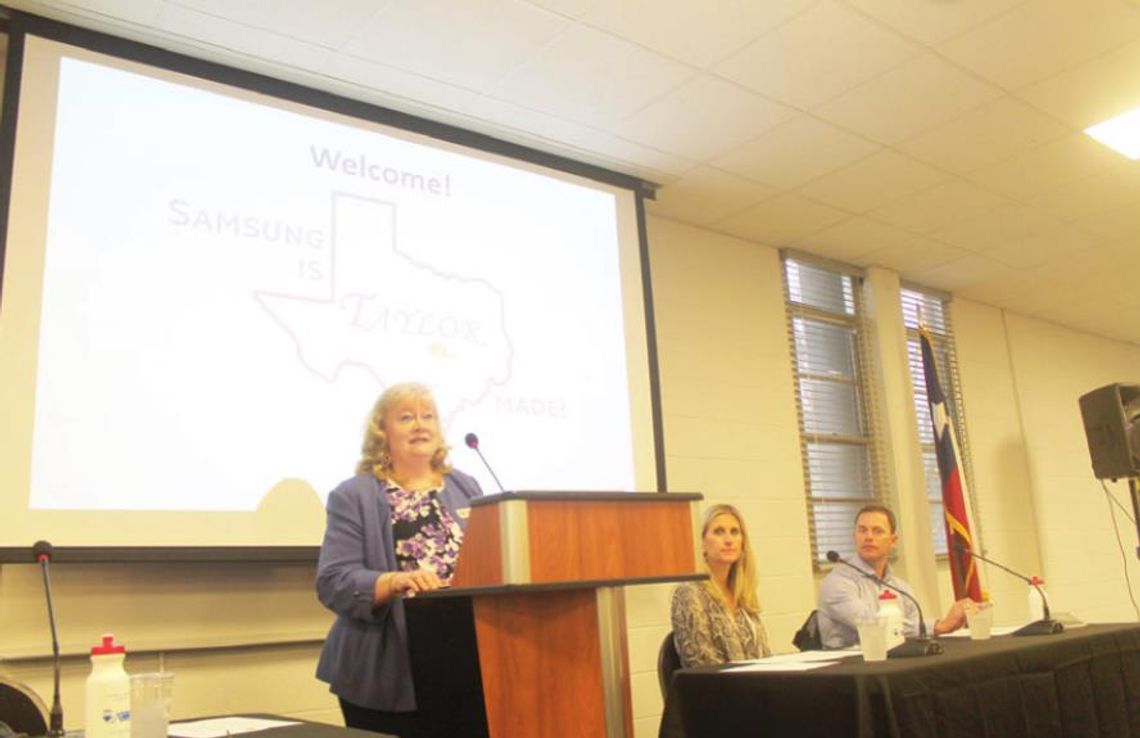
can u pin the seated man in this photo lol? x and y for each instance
(846, 596)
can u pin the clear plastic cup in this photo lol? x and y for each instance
(151, 695)
(980, 621)
(873, 637)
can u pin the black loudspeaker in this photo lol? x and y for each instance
(1112, 425)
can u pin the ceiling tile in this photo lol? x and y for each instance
(876, 180)
(1092, 92)
(939, 206)
(817, 55)
(1003, 289)
(568, 8)
(1131, 298)
(572, 140)
(917, 95)
(141, 12)
(853, 239)
(1114, 223)
(1104, 270)
(998, 228)
(695, 33)
(932, 22)
(997, 130)
(231, 36)
(1041, 38)
(298, 19)
(962, 271)
(591, 77)
(781, 221)
(1114, 187)
(1070, 158)
(795, 152)
(913, 256)
(473, 43)
(705, 195)
(1063, 242)
(704, 117)
(383, 85)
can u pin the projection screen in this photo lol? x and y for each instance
(206, 287)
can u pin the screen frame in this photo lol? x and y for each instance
(21, 24)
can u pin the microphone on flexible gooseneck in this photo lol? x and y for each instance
(472, 442)
(1046, 625)
(42, 552)
(921, 646)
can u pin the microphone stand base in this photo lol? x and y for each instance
(913, 647)
(1039, 628)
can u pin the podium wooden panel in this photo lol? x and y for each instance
(549, 607)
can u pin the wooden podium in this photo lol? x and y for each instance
(545, 572)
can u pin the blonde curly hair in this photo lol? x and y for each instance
(374, 453)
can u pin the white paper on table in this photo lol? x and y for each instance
(221, 727)
(997, 630)
(767, 665)
(804, 657)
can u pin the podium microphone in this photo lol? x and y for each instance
(472, 442)
(42, 552)
(1046, 625)
(921, 646)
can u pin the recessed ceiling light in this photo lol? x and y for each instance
(1121, 133)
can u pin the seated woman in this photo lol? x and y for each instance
(718, 620)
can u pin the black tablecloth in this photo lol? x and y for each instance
(1084, 682)
(314, 730)
(302, 729)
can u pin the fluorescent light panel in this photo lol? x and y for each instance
(1121, 133)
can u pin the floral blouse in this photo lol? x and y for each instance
(425, 534)
(705, 634)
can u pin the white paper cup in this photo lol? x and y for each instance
(150, 704)
(873, 637)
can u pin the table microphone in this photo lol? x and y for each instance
(472, 442)
(42, 552)
(1044, 626)
(921, 646)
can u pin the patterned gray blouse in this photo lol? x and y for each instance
(705, 634)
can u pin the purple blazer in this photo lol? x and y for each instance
(365, 656)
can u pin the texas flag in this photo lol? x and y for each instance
(962, 570)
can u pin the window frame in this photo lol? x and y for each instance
(836, 533)
(945, 355)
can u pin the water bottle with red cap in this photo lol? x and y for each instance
(889, 606)
(108, 713)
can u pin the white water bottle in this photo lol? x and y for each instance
(889, 606)
(108, 713)
(1037, 600)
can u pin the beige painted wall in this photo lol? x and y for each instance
(998, 449)
(244, 637)
(1081, 557)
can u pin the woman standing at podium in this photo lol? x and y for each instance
(718, 620)
(394, 530)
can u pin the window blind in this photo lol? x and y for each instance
(827, 334)
(932, 310)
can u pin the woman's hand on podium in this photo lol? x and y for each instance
(406, 584)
